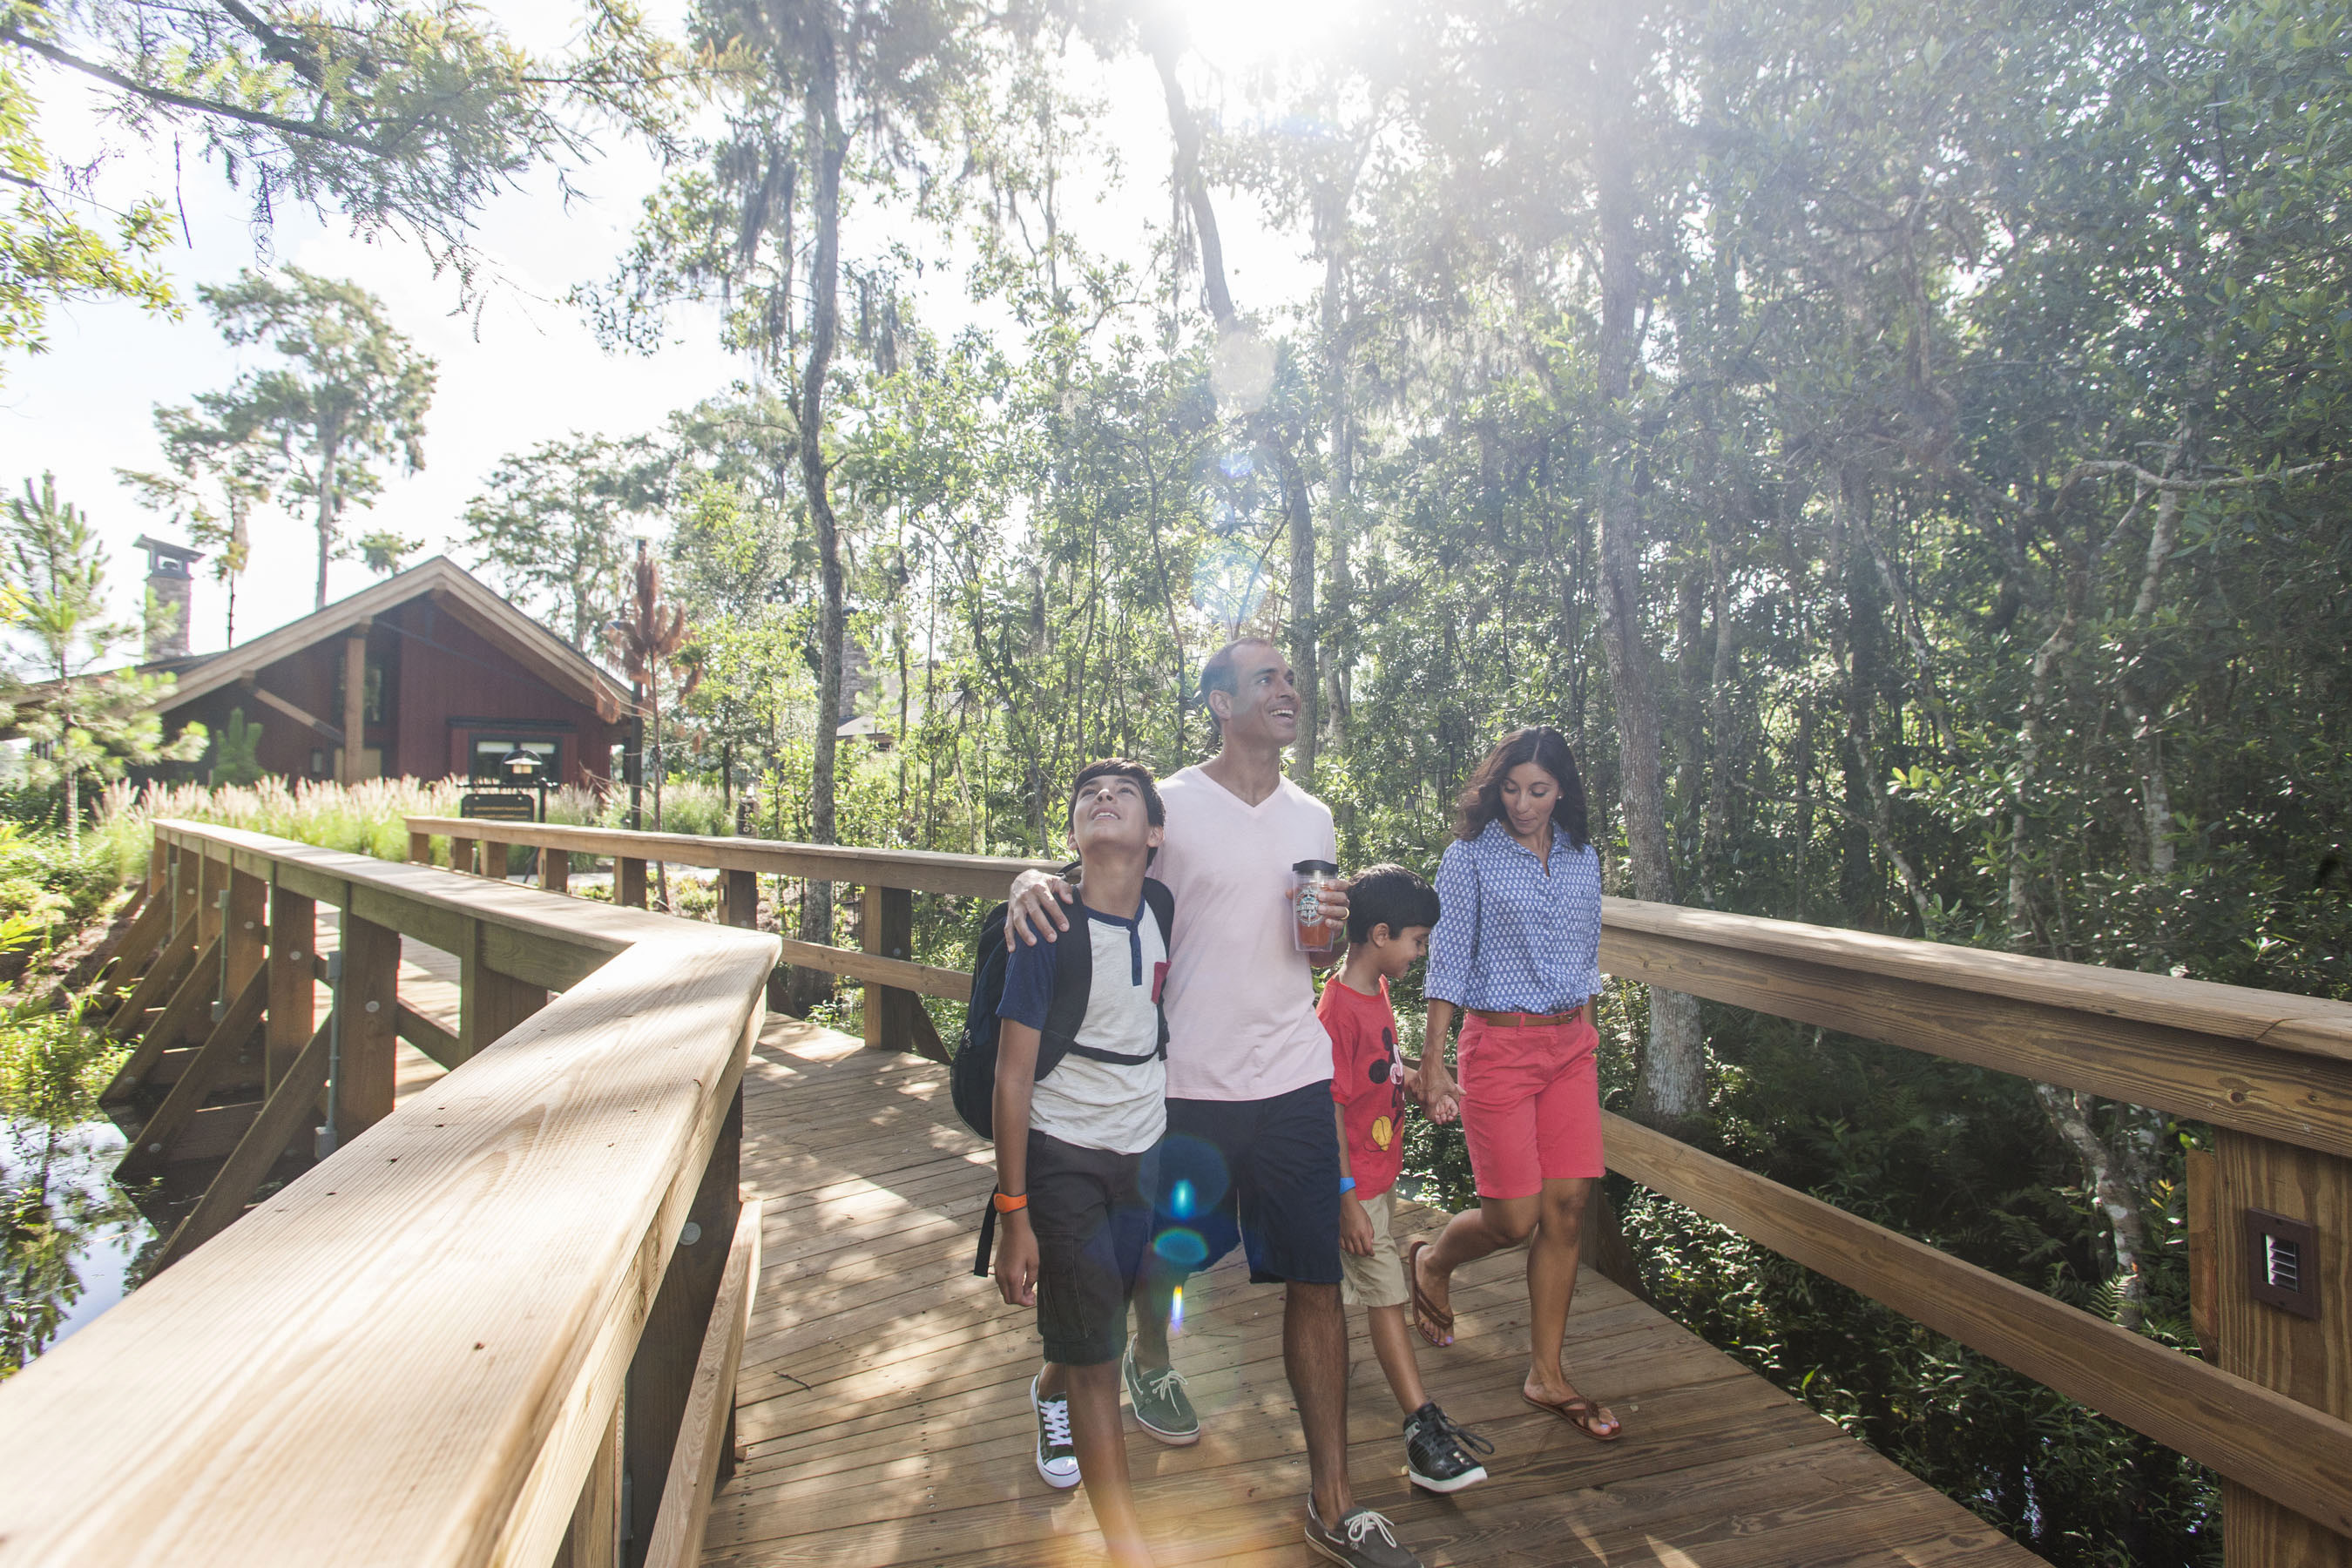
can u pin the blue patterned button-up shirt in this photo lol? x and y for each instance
(1508, 938)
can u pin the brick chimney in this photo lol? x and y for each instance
(167, 580)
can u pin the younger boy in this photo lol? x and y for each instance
(1078, 1121)
(1390, 911)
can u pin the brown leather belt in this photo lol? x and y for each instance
(1523, 1020)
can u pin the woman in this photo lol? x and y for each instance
(1516, 952)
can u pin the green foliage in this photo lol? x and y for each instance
(236, 753)
(553, 527)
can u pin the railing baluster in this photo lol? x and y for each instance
(369, 1000)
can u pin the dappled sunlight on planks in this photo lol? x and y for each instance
(882, 1413)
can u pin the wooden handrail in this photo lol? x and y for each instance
(2266, 1067)
(918, 870)
(412, 1353)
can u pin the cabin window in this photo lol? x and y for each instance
(487, 758)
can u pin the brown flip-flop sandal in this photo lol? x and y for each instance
(1579, 1413)
(1427, 1320)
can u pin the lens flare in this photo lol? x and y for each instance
(1182, 1200)
(1176, 1311)
(1184, 1249)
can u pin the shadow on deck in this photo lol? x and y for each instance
(883, 1416)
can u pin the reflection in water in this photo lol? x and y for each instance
(73, 1238)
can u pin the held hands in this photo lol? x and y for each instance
(1440, 1095)
(1016, 1260)
(1355, 1226)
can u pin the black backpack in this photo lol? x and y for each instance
(971, 1077)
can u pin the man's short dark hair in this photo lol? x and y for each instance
(1155, 810)
(1390, 896)
(1218, 671)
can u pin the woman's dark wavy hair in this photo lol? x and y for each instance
(1482, 799)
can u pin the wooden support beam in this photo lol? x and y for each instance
(739, 897)
(2306, 1359)
(368, 998)
(461, 854)
(430, 1037)
(592, 1538)
(143, 937)
(163, 977)
(293, 1002)
(2200, 1205)
(555, 871)
(189, 1009)
(420, 849)
(2289, 1452)
(291, 1110)
(491, 1002)
(301, 715)
(246, 935)
(888, 932)
(701, 1462)
(212, 881)
(661, 1373)
(629, 882)
(494, 859)
(923, 979)
(355, 703)
(227, 1050)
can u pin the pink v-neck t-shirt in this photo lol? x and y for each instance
(1240, 997)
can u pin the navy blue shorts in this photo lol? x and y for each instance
(1088, 1210)
(1260, 1173)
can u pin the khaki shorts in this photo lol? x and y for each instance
(1377, 1281)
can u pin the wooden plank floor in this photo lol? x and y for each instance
(884, 1416)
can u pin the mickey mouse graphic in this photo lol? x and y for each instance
(1388, 1070)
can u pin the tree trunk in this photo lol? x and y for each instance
(827, 146)
(1673, 1091)
(328, 498)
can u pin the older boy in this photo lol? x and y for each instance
(1078, 1122)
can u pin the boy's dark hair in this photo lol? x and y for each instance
(1390, 896)
(1155, 810)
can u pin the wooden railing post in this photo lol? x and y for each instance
(661, 1374)
(293, 998)
(2264, 1191)
(461, 854)
(739, 898)
(248, 935)
(555, 871)
(420, 849)
(629, 883)
(592, 1538)
(494, 859)
(370, 1045)
(490, 1003)
(888, 930)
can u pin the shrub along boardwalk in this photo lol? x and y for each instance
(882, 1418)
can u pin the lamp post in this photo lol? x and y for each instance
(523, 769)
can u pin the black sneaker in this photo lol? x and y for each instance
(1437, 1453)
(1058, 1457)
(1160, 1404)
(1363, 1539)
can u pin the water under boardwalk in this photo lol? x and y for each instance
(881, 1404)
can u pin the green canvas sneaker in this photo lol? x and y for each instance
(1159, 1402)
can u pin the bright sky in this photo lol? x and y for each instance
(531, 370)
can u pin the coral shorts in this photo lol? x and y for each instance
(1530, 1105)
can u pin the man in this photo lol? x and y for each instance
(1251, 1156)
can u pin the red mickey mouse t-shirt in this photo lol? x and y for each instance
(1368, 1078)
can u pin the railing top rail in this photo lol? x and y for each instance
(922, 871)
(2282, 1020)
(406, 1355)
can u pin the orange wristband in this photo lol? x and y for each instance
(1007, 1202)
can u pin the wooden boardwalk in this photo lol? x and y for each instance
(882, 1418)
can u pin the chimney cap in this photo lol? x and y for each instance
(165, 559)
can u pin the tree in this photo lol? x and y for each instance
(50, 254)
(86, 725)
(820, 74)
(349, 393)
(552, 526)
(648, 639)
(216, 481)
(407, 118)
